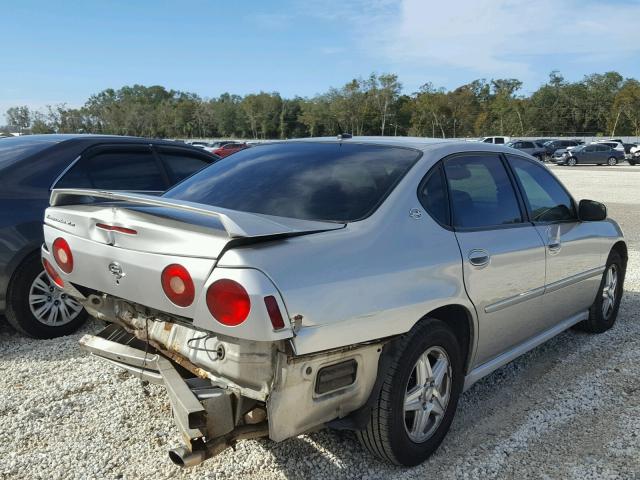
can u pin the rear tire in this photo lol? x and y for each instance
(604, 311)
(31, 291)
(612, 162)
(416, 405)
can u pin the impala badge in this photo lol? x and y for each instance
(116, 270)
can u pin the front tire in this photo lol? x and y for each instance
(604, 311)
(36, 307)
(612, 162)
(418, 397)
(571, 161)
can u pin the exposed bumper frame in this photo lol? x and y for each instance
(190, 415)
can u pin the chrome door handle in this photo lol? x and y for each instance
(479, 257)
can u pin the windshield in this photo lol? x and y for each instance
(14, 149)
(338, 182)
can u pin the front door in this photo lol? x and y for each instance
(574, 254)
(503, 256)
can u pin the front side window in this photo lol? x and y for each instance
(180, 163)
(340, 182)
(480, 192)
(499, 140)
(546, 199)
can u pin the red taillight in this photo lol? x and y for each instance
(113, 228)
(62, 254)
(228, 302)
(53, 275)
(177, 285)
(274, 312)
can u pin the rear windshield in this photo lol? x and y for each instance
(13, 150)
(338, 182)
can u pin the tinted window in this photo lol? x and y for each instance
(13, 150)
(181, 164)
(481, 193)
(546, 199)
(488, 140)
(527, 145)
(316, 181)
(433, 196)
(125, 170)
(499, 140)
(76, 177)
(602, 148)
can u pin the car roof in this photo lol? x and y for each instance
(64, 137)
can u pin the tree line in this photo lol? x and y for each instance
(599, 104)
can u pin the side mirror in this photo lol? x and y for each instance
(591, 211)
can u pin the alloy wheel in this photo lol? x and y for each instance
(50, 305)
(427, 394)
(609, 291)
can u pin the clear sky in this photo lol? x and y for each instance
(63, 51)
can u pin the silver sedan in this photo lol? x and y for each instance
(355, 283)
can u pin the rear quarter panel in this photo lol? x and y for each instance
(374, 279)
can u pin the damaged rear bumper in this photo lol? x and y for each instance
(212, 413)
(206, 414)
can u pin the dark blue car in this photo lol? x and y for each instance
(30, 167)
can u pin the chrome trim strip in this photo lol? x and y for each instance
(536, 292)
(511, 301)
(565, 282)
(64, 172)
(488, 367)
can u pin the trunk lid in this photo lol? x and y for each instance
(156, 225)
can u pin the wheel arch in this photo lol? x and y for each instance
(621, 248)
(461, 321)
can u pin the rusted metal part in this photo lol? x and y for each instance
(176, 357)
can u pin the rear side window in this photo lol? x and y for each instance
(499, 140)
(116, 169)
(480, 192)
(180, 163)
(546, 199)
(432, 194)
(341, 182)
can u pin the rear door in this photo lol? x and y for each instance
(503, 256)
(573, 253)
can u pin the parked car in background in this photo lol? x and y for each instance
(532, 148)
(615, 144)
(595, 153)
(32, 165)
(354, 283)
(229, 148)
(496, 140)
(627, 149)
(554, 145)
(635, 156)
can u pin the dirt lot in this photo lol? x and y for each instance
(568, 409)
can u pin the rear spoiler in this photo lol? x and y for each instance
(237, 224)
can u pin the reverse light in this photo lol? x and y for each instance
(228, 302)
(178, 285)
(53, 275)
(274, 312)
(62, 255)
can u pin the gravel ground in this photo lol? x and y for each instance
(568, 409)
